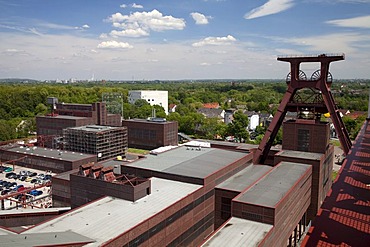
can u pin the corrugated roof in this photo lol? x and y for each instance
(187, 162)
(244, 178)
(239, 232)
(344, 217)
(274, 186)
(109, 217)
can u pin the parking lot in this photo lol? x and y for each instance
(22, 187)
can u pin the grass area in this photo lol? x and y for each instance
(137, 151)
(335, 142)
(334, 175)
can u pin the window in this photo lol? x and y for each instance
(303, 140)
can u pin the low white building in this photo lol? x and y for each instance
(152, 97)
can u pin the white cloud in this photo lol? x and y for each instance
(199, 18)
(85, 26)
(269, 8)
(332, 43)
(103, 36)
(357, 22)
(215, 41)
(114, 45)
(129, 33)
(141, 23)
(137, 6)
(123, 6)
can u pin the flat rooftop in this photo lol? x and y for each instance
(63, 117)
(239, 233)
(187, 161)
(273, 187)
(50, 153)
(95, 128)
(109, 217)
(153, 121)
(300, 155)
(245, 178)
(44, 239)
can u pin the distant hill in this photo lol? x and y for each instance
(17, 80)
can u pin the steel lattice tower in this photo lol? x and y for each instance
(322, 102)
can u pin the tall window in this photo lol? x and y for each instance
(303, 139)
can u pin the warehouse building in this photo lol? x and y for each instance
(39, 158)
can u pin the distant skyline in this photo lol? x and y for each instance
(175, 40)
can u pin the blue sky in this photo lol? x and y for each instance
(190, 39)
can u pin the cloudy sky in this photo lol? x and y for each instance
(189, 39)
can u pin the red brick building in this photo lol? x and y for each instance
(50, 128)
(152, 133)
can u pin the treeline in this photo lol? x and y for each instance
(20, 103)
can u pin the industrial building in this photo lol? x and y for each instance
(40, 158)
(104, 141)
(152, 97)
(151, 133)
(50, 128)
(220, 193)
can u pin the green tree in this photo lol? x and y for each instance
(238, 127)
(41, 109)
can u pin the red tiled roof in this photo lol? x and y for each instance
(211, 105)
(344, 217)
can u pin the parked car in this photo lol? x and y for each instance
(8, 169)
(28, 179)
(35, 192)
(10, 175)
(23, 173)
(4, 192)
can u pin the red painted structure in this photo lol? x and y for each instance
(323, 102)
(344, 218)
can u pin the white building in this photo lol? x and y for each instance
(152, 97)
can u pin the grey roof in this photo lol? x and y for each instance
(5, 231)
(63, 117)
(245, 178)
(189, 162)
(94, 128)
(44, 239)
(237, 145)
(50, 153)
(239, 232)
(66, 175)
(24, 211)
(210, 112)
(109, 217)
(300, 154)
(274, 186)
(140, 120)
